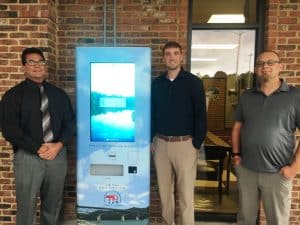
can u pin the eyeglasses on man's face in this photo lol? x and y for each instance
(268, 63)
(36, 63)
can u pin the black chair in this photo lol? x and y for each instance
(213, 167)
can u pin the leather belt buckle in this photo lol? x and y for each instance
(174, 138)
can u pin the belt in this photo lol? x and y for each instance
(174, 138)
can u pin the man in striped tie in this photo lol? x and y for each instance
(38, 120)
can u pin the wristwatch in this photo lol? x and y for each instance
(235, 154)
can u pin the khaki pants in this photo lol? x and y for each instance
(176, 162)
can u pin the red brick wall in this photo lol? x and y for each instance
(60, 25)
(283, 35)
(21, 24)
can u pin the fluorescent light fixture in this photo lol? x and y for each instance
(203, 59)
(227, 18)
(214, 46)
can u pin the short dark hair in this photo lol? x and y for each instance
(31, 50)
(171, 44)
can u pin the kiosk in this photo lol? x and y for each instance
(113, 134)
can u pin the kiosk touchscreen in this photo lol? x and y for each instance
(113, 134)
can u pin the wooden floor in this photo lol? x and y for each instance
(209, 199)
(211, 204)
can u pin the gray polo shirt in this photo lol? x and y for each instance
(269, 123)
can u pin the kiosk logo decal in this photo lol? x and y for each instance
(112, 198)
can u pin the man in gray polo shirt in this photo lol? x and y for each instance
(263, 144)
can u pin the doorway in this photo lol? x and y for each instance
(224, 60)
(225, 37)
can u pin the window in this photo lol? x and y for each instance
(225, 37)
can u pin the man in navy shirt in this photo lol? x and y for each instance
(40, 164)
(178, 130)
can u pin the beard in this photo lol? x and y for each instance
(264, 78)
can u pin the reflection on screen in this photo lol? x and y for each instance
(113, 102)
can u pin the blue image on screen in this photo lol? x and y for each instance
(112, 102)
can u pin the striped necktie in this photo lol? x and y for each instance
(46, 124)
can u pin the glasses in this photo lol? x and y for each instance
(36, 63)
(268, 63)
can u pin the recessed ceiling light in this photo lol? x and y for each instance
(227, 18)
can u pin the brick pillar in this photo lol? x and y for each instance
(30, 23)
(282, 36)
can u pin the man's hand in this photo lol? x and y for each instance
(236, 160)
(288, 172)
(152, 148)
(49, 151)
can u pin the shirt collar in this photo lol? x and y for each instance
(180, 74)
(283, 87)
(31, 82)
